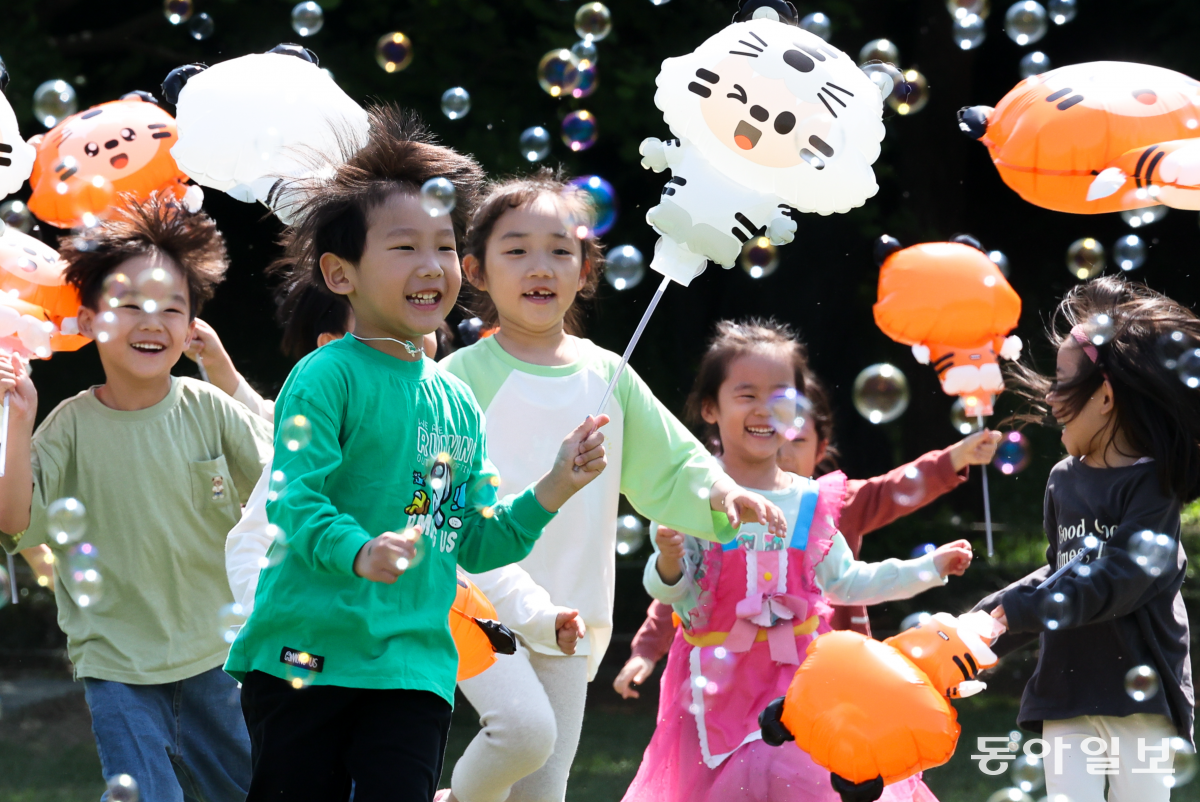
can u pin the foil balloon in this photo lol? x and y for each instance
(256, 126)
(30, 272)
(16, 156)
(89, 160)
(477, 633)
(876, 713)
(766, 116)
(952, 304)
(1104, 136)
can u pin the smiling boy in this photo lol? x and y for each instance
(160, 463)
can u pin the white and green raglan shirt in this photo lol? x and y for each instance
(653, 459)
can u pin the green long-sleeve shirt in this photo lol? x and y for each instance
(393, 444)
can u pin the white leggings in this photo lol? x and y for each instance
(530, 707)
(1075, 749)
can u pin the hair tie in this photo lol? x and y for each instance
(1081, 337)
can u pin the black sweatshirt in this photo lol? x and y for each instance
(1120, 615)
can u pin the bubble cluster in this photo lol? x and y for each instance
(67, 521)
(911, 94)
(909, 489)
(593, 21)
(177, 11)
(1085, 258)
(1025, 22)
(1130, 252)
(969, 31)
(393, 52)
(589, 81)
(579, 130)
(558, 72)
(624, 267)
(535, 143)
(307, 18)
(438, 197)
(585, 52)
(295, 433)
(1136, 218)
(1034, 63)
(631, 534)
(1141, 683)
(53, 102)
(1153, 552)
(456, 102)
(604, 202)
(788, 409)
(818, 24)
(880, 393)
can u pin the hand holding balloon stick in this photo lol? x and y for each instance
(952, 304)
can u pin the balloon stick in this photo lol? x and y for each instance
(987, 501)
(203, 373)
(1071, 564)
(12, 569)
(4, 436)
(637, 334)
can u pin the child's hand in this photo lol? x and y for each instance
(207, 345)
(570, 629)
(741, 506)
(953, 558)
(670, 554)
(635, 671)
(976, 449)
(582, 449)
(998, 614)
(385, 558)
(15, 382)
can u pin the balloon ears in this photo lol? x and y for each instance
(773, 731)
(3, 79)
(173, 84)
(299, 51)
(967, 239)
(138, 94)
(973, 120)
(777, 10)
(867, 791)
(885, 246)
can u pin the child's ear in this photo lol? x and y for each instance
(337, 273)
(473, 272)
(584, 274)
(708, 411)
(191, 333)
(326, 337)
(822, 449)
(85, 319)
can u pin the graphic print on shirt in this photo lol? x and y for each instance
(1070, 540)
(435, 490)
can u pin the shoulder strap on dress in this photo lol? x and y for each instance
(831, 497)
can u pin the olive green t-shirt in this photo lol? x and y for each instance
(162, 487)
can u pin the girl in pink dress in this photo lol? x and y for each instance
(750, 608)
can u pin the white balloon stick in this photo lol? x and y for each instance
(12, 567)
(637, 335)
(987, 502)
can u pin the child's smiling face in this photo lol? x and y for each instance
(741, 413)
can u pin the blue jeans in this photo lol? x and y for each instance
(182, 740)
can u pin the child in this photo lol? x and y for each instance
(869, 504)
(749, 609)
(161, 465)
(347, 661)
(1131, 428)
(533, 377)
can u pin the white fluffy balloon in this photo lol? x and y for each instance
(247, 123)
(16, 155)
(768, 116)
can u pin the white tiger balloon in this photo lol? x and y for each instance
(16, 155)
(767, 116)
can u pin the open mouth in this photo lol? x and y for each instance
(539, 296)
(119, 161)
(746, 135)
(148, 348)
(425, 300)
(760, 431)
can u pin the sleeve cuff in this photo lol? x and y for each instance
(659, 589)
(721, 527)
(925, 567)
(347, 549)
(1018, 612)
(528, 513)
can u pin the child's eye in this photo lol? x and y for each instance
(449, 248)
(515, 252)
(402, 248)
(562, 252)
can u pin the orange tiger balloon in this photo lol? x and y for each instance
(1098, 137)
(86, 162)
(477, 633)
(31, 272)
(952, 304)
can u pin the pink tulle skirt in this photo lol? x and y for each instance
(673, 770)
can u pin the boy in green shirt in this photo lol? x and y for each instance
(347, 662)
(161, 465)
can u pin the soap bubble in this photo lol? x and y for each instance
(909, 489)
(177, 11)
(230, 619)
(885, 76)
(154, 288)
(1061, 11)
(393, 52)
(920, 551)
(116, 291)
(1010, 795)
(307, 18)
(276, 485)
(438, 197)
(913, 620)
(1085, 258)
(1057, 610)
(470, 330)
(759, 257)
(589, 81)
(585, 52)
(879, 50)
(881, 393)
(558, 73)
(969, 31)
(1136, 218)
(1153, 552)
(277, 546)
(1034, 63)
(579, 130)
(83, 570)
(535, 143)
(1171, 347)
(788, 409)
(1189, 368)
(420, 547)
(625, 267)
(295, 433)
(1099, 328)
(1141, 683)
(1183, 763)
(631, 534)
(817, 24)
(1012, 454)
(456, 102)
(53, 102)
(1000, 261)
(604, 201)
(593, 21)
(911, 94)
(122, 788)
(963, 8)
(16, 214)
(1025, 22)
(67, 520)
(1028, 773)
(201, 27)
(1130, 252)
